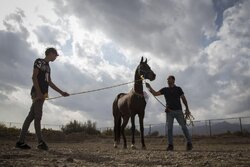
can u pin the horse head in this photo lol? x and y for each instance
(145, 70)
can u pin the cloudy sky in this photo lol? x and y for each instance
(204, 43)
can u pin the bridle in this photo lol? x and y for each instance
(141, 79)
(145, 72)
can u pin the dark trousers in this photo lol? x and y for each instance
(36, 111)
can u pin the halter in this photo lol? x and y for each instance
(141, 79)
(145, 71)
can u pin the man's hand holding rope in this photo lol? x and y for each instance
(188, 117)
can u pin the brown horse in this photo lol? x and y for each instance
(127, 105)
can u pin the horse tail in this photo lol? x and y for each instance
(117, 118)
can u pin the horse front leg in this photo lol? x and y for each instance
(142, 131)
(133, 131)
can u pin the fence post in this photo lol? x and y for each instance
(241, 130)
(149, 132)
(210, 129)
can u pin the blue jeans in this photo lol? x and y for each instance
(179, 116)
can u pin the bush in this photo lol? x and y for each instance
(244, 133)
(154, 134)
(108, 132)
(128, 132)
(50, 134)
(8, 132)
(76, 127)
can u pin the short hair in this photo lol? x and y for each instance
(50, 50)
(171, 76)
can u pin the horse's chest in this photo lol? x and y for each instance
(137, 104)
(131, 104)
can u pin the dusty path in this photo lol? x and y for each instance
(100, 152)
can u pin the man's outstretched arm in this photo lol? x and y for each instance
(53, 86)
(152, 90)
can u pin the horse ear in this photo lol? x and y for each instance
(146, 60)
(141, 59)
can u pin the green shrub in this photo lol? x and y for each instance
(76, 127)
(50, 134)
(128, 132)
(244, 133)
(154, 134)
(8, 132)
(108, 132)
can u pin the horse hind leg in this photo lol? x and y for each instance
(124, 124)
(117, 132)
(116, 115)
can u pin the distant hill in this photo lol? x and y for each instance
(216, 128)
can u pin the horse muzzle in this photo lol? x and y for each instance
(152, 76)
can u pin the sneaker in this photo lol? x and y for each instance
(189, 147)
(22, 145)
(42, 146)
(170, 147)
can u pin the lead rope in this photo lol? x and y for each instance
(95, 90)
(189, 119)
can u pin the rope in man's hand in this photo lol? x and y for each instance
(189, 118)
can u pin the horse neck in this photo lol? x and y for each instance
(138, 88)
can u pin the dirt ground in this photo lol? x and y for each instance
(216, 151)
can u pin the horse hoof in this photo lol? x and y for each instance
(115, 146)
(133, 147)
(143, 147)
(124, 147)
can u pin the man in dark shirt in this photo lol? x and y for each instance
(41, 82)
(172, 95)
